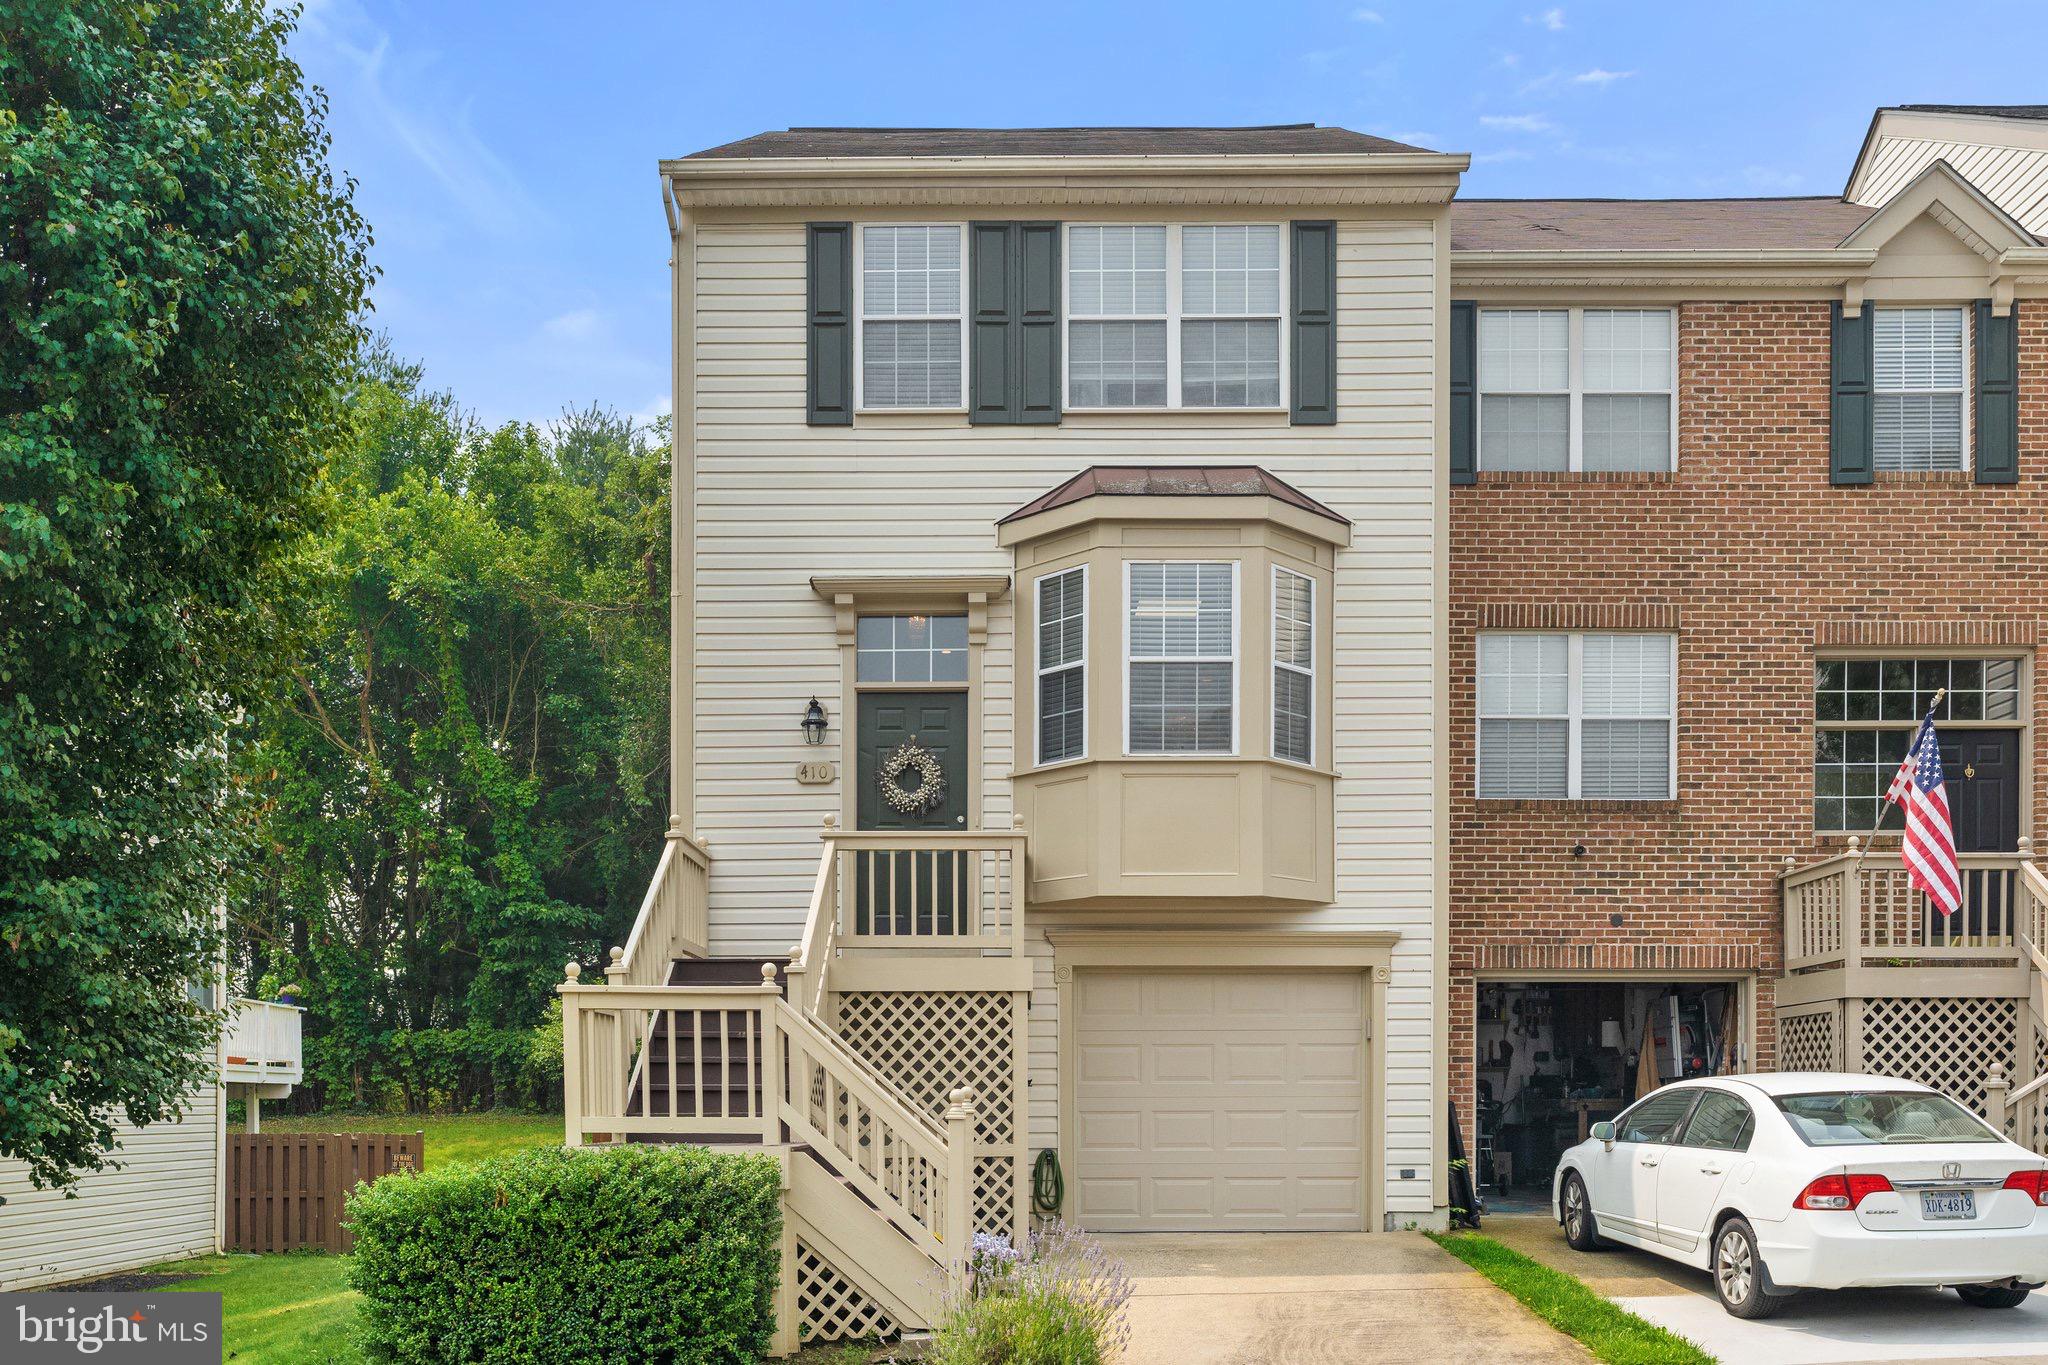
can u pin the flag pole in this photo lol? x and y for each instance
(1883, 806)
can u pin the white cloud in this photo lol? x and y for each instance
(1510, 59)
(1322, 57)
(1599, 76)
(1552, 19)
(1368, 16)
(1517, 123)
(658, 406)
(581, 324)
(410, 99)
(1413, 136)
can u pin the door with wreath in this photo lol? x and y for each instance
(911, 770)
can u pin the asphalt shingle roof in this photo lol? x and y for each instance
(1652, 224)
(1173, 481)
(1271, 139)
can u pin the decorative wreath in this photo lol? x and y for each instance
(930, 790)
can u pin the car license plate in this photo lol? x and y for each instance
(1948, 1204)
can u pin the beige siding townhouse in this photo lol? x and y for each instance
(1059, 693)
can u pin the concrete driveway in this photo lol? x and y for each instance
(1814, 1329)
(1297, 1298)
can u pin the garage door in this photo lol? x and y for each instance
(1218, 1101)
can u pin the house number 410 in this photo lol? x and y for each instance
(814, 774)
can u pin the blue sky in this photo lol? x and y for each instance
(505, 150)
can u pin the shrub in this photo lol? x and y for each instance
(1060, 1301)
(630, 1253)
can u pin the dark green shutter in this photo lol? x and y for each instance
(828, 352)
(1998, 410)
(1014, 312)
(1464, 392)
(1313, 358)
(1849, 429)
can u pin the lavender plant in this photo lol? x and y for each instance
(1059, 1301)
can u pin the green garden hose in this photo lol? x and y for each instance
(1048, 1186)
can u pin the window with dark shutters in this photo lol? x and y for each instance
(1998, 420)
(828, 349)
(1464, 384)
(1014, 322)
(1851, 425)
(1313, 325)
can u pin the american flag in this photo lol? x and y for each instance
(1929, 848)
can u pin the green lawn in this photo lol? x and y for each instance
(450, 1137)
(296, 1309)
(1611, 1333)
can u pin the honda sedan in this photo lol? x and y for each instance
(1802, 1180)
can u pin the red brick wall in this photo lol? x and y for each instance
(1754, 557)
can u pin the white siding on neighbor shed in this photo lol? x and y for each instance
(778, 502)
(161, 1205)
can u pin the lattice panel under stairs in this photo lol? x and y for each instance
(830, 1308)
(1947, 1043)
(1810, 1042)
(929, 1042)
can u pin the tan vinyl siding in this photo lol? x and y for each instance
(779, 502)
(161, 1205)
(2014, 178)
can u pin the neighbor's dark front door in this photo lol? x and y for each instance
(1982, 769)
(924, 732)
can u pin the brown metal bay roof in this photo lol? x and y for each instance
(1652, 224)
(1278, 139)
(1173, 481)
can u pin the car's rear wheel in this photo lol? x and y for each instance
(1581, 1232)
(1739, 1272)
(1991, 1295)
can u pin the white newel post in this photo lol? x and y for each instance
(572, 1059)
(1995, 1088)
(959, 1186)
(771, 1063)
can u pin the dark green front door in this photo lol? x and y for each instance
(911, 767)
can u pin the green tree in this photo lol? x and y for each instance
(180, 283)
(465, 781)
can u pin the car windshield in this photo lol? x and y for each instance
(1848, 1118)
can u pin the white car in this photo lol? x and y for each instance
(1809, 1180)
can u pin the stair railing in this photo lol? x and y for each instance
(674, 919)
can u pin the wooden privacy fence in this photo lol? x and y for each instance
(287, 1191)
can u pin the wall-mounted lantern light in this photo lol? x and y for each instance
(814, 723)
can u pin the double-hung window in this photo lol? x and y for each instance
(1577, 389)
(913, 343)
(1294, 666)
(1181, 642)
(1919, 371)
(1577, 716)
(1062, 665)
(1173, 316)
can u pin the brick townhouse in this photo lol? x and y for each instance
(1738, 485)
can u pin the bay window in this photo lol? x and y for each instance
(1172, 316)
(1294, 675)
(1062, 669)
(1181, 645)
(1582, 716)
(912, 335)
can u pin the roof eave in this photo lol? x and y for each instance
(1812, 266)
(865, 167)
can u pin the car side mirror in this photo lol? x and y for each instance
(1603, 1131)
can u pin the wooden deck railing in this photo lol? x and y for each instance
(674, 919)
(1857, 909)
(741, 1064)
(262, 1044)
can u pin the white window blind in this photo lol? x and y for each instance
(1062, 648)
(1920, 371)
(1294, 656)
(1576, 388)
(1182, 636)
(1585, 716)
(911, 317)
(1173, 315)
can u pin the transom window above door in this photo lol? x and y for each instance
(913, 649)
(1172, 316)
(913, 346)
(1577, 389)
(1919, 368)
